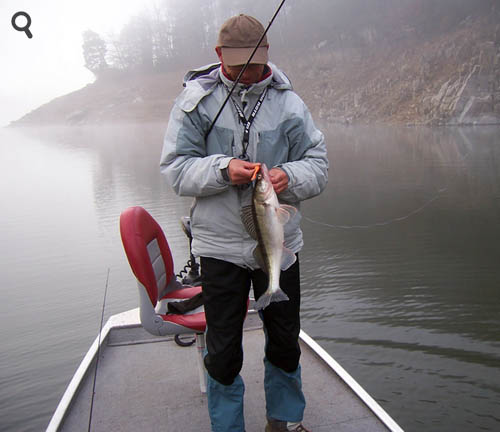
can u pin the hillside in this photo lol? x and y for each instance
(114, 98)
(445, 78)
(453, 78)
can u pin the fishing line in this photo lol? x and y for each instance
(384, 223)
(98, 351)
(243, 70)
(463, 158)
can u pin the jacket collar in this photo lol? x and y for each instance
(256, 88)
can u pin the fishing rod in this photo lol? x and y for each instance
(243, 69)
(98, 352)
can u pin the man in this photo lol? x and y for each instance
(264, 122)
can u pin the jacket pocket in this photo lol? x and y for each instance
(220, 141)
(273, 147)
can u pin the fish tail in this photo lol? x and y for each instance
(268, 297)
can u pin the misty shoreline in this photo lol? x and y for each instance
(446, 77)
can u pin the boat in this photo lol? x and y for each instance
(144, 372)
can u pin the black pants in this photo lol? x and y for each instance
(225, 293)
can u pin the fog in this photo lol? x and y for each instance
(163, 34)
(51, 64)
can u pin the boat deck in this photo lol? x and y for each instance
(146, 383)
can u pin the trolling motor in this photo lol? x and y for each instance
(192, 277)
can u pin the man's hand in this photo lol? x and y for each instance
(279, 179)
(240, 171)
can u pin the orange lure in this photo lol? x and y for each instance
(255, 172)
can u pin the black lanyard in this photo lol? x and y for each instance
(248, 123)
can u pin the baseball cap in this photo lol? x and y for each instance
(238, 37)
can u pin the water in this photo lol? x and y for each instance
(400, 269)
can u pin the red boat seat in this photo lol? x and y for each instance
(151, 261)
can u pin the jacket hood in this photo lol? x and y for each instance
(202, 81)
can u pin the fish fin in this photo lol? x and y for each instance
(287, 259)
(268, 297)
(285, 212)
(259, 259)
(248, 223)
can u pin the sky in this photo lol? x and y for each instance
(50, 64)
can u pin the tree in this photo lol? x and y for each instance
(136, 44)
(94, 52)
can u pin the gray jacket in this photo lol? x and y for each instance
(283, 134)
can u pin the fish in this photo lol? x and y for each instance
(264, 220)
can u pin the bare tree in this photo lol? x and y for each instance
(94, 52)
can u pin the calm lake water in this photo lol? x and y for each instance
(401, 276)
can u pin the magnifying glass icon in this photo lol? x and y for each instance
(24, 28)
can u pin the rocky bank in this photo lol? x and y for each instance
(452, 79)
